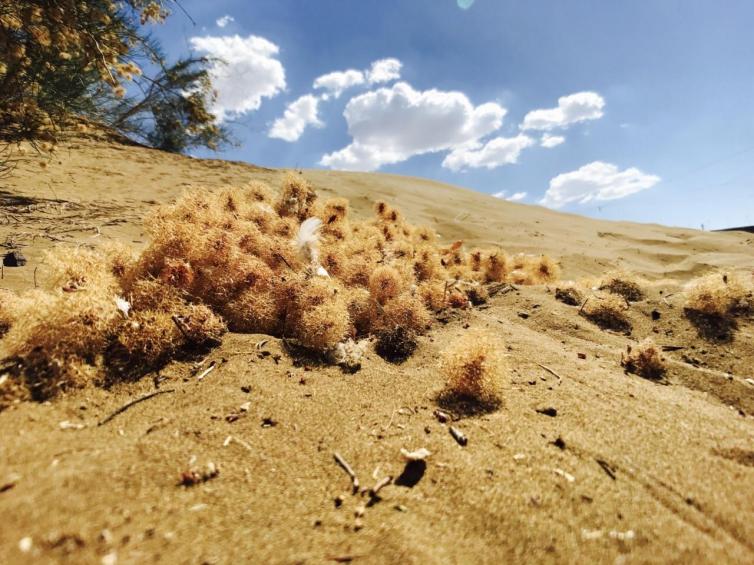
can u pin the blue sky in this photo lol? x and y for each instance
(656, 96)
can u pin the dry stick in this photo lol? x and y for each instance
(129, 404)
(279, 256)
(35, 277)
(546, 368)
(347, 468)
(382, 483)
(179, 325)
(584, 304)
(206, 371)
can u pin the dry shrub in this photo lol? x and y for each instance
(7, 313)
(475, 370)
(718, 294)
(623, 284)
(608, 312)
(495, 266)
(395, 344)
(569, 294)
(385, 283)
(286, 266)
(644, 360)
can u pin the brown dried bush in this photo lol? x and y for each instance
(623, 284)
(475, 370)
(608, 312)
(644, 360)
(569, 294)
(719, 294)
(286, 266)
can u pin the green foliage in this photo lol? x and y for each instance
(70, 58)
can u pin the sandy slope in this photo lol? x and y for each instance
(642, 472)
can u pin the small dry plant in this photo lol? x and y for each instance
(570, 294)
(475, 370)
(644, 360)
(608, 311)
(719, 294)
(623, 284)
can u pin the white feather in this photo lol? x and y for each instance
(123, 305)
(307, 239)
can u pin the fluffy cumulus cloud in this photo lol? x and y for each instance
(515, 197)
(571, 109)
(245, 72)
(392, 124)
(298, 115)
(596, 181)
(224, 20)
(490, 155)
(550, 141)
(384, 70)
(335, 83)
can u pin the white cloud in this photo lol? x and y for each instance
(381, 71)
(335, 83)
(224, 20)
(384, 70)
(297, 116)
(515, 197)
(571, 109)
(392, 124)
(550, 141)
(246, 71)
(596, 181)
(494, 153)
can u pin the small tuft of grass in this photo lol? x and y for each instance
(569, 294)
(608, 312)
(623, 284)
(475, 371)
(644, 360)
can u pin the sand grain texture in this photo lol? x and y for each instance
(627, 468)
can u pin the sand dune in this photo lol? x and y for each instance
(622, 469)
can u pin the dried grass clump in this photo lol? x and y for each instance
(385, 283)
(475, 370)
(287, 266)
(608, 312)
(644, 360)
(569, 294)
(7, 312)
(719, 295)
(623, 284)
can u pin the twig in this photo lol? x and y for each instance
(374, 492)
(207, 371)
(347, 468)
(458, 435)
(546, 368)
(185, 12)
(231, 439)
(129, 404)
(179, 325)
(279, 256)
(584, 304)
(35, 276)
(607, 468)
(500, 288)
